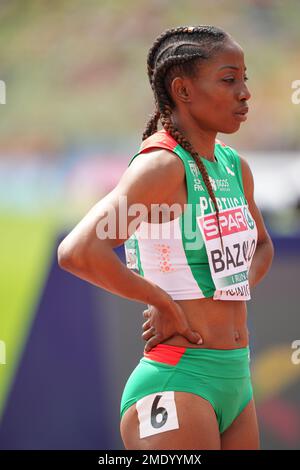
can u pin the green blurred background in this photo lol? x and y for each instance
(75, 70)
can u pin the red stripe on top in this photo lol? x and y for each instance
(161, 139)
(166, 353)
(220, 142)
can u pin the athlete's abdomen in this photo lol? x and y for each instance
(222, 325)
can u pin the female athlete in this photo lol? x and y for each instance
(195, 260)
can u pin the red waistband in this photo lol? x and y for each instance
(166, 353)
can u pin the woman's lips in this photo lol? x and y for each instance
(241, 115)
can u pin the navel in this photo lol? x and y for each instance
(237, 336)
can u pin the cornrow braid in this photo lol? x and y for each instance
(162, 38)
(163, 57)
(152, 124)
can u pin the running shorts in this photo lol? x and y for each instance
(221, 376)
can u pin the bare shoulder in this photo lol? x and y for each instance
(157, 173)
(156, 162)
(151, 178)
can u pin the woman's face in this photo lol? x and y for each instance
(217, 98)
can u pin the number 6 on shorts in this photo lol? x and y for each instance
(157, 413)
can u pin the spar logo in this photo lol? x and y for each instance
(248, 217)
(231, 221)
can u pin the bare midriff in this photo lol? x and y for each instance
(222, 324)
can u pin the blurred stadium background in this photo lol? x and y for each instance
(77, 100)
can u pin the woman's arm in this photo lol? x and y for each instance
(150, 179)
(264, 252)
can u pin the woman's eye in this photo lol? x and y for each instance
(231, 80)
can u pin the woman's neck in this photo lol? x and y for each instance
(202, 141)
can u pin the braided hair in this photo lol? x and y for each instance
(179, 51)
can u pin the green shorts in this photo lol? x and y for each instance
(221, 376)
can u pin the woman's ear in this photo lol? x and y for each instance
(180, 90)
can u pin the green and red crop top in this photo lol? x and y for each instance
(184, 256)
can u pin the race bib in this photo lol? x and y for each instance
(229, 270)
(157, 413)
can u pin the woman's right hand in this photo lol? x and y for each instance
(162, 324)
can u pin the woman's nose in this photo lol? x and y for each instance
(244, 93)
